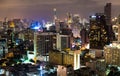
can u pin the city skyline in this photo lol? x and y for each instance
(41, 9)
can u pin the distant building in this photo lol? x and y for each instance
(99, 34)
(3, 47)
(26, 34)
(1, 26)
(84, 36)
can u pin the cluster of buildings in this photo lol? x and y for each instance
(62, 38)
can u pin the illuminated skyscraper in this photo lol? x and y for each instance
(98, 35)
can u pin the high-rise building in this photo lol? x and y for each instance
(98, 36)
(107, 12)
(48, 41)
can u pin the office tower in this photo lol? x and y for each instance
(107, 12)
(98, 35)
(48, 41)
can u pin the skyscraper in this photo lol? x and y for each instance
(107, 12)
(98, 35)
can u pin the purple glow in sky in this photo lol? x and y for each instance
(43, 9)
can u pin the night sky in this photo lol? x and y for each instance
(43, 9)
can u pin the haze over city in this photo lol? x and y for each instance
(43, 9)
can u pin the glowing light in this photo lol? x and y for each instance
(41, 72)
(69, 21)
(93, 16)
(87, 46)
(12, 24)
(30, 55)
(47, 25)
(54, 9)
(36, 25)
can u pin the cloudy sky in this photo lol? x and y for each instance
(43, 9)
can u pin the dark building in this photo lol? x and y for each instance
(98, 35)
(84, 36)
(107, 12)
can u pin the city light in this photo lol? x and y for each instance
(35, 25)
(48, 24)
(93, 16)
(48, 41)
